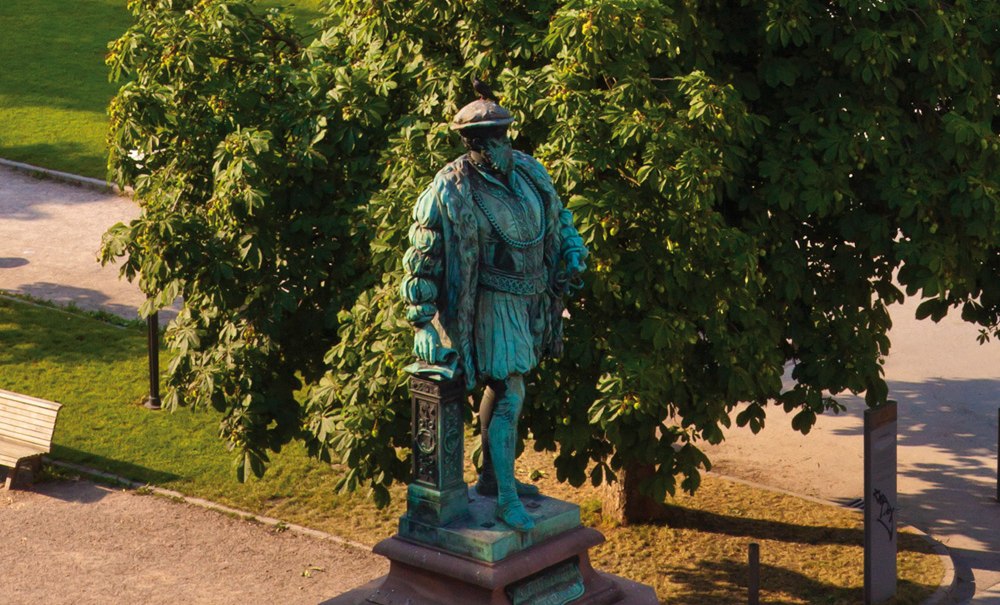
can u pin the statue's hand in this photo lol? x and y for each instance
(575, 265)
(427, 344)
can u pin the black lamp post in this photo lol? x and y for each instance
(153, 338)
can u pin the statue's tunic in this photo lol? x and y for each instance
(484, 266)
(510, 310)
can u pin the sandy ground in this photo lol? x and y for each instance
(81, 543)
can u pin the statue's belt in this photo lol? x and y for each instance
(514, 284)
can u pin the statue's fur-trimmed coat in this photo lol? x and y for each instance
(447, 206)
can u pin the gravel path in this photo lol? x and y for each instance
(101, 546)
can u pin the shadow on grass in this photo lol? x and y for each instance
(713, 582)
(68, 296)
(678, 517)
(33, 334)
(128, 470)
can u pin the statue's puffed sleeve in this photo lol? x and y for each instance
(571, 240)
(422, 261)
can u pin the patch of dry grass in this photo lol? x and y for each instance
(810, 553)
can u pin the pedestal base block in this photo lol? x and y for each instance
(554, 572)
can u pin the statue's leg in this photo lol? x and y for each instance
(487, 483)
(503, 448)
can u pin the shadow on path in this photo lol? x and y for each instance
(80, 492)
(11, 262)
(947, 446)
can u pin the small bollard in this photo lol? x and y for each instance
(153, 340)
(753, 574)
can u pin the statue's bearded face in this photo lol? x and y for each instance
(499, 153)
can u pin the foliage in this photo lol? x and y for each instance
(250, 169)
(748, 176)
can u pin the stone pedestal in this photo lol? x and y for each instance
(451, 549)
(554, 572)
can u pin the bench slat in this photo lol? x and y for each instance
(19, 432)
(16, 425)
(41, 404)
(24, 418)
(11, 461)
(26, 426)
(38, 416)
(23, 409)
(12, 451)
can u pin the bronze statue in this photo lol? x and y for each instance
(493, 255)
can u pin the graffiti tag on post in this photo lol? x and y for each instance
(886, 513)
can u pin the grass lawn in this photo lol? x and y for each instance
(809, 554)
(54, 88)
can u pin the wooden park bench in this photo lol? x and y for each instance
(26, 426)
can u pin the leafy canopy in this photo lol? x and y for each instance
(750, 178)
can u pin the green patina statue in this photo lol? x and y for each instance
(493, 255)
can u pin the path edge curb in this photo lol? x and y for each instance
(209, 505)
(67, 177)
(949, 581)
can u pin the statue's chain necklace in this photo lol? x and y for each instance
(510, 241)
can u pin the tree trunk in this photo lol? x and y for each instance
(621, 501)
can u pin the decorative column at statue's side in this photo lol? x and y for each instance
(493, 254)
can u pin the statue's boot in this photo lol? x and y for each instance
(503, 436)
(515, 515)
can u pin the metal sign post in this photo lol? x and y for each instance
(880, 504)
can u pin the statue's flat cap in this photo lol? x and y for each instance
(481, 113)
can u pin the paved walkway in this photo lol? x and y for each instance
(51, 234)
(948, 387)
